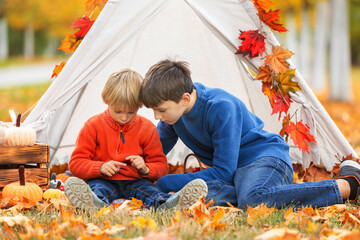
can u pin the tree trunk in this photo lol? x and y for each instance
(291, 37)
(4, 45)
(340, 80)
(321, 37)
(304, 58)
(51, 47)
(29, 43)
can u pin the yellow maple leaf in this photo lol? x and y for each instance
(286, 83)
(58, 69)
(144, 223)
(277, 61)
(70, 43)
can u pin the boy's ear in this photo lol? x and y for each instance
(186, 98)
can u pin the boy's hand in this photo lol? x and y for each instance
(110, 168)
(139, 164)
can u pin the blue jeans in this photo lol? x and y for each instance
(141, 189)
(270, 180)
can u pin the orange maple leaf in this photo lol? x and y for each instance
(91, 4)
(336, 170)
(58, 69)
(269, 92)
(315, 174)
(61, 168)
(285, 124)
(263, 4)
(277, 60)
(265, 74)
(257, 213)
(286, 83)
(271, 19)
(70, 43)
(299, 134)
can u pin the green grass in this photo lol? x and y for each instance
(20, 99)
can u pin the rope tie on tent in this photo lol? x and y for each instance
(43, 122)
(306, 113)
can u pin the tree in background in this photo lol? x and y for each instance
(4, 46)
(53, 17)
(313, 51)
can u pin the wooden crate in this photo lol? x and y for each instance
(34, 159)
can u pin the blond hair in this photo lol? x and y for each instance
(122, 88)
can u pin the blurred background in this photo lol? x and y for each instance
(324, 35)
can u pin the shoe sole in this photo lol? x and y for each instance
(191, 193)
(79, 193)
(350, 163)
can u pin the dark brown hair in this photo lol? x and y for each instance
(166, 80)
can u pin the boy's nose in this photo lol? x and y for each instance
(156, 115)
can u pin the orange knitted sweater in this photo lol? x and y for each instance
(99, 141)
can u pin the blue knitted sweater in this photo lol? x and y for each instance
(223, 133)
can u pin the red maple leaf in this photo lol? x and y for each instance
(299, 133)
(84, 24)
(253, 43)
(271, 18)
(281, 104)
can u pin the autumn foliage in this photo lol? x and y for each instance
(276, 74)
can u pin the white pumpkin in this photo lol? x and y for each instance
(2, 135)
(19, 135)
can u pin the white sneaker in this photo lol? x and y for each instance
(187, 196)
(80, 195)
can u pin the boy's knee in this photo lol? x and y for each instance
(253, 197)
(161, 183)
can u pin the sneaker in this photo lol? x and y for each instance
(187, 196)
(80, 195)
(350, 168)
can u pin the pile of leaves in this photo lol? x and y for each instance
(57, 219)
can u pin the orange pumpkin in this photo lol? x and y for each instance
(63, 177)
(22, 189)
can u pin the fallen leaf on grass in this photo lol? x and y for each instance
(258, 213)
(279, 234)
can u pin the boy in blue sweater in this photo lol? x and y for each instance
(249, 166)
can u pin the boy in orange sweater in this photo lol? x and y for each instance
(118, 153)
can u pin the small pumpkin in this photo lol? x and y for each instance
(52, 193)
(22, 189)
(2, 135)
(20, 135)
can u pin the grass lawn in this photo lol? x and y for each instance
(20, 99)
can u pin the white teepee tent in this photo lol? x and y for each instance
(139, 33)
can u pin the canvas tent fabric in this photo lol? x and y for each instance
(138, 33)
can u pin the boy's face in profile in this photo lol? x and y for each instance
(169, 111)
(122, 114)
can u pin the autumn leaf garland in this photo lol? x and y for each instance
(83, 24)
(276, 75)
